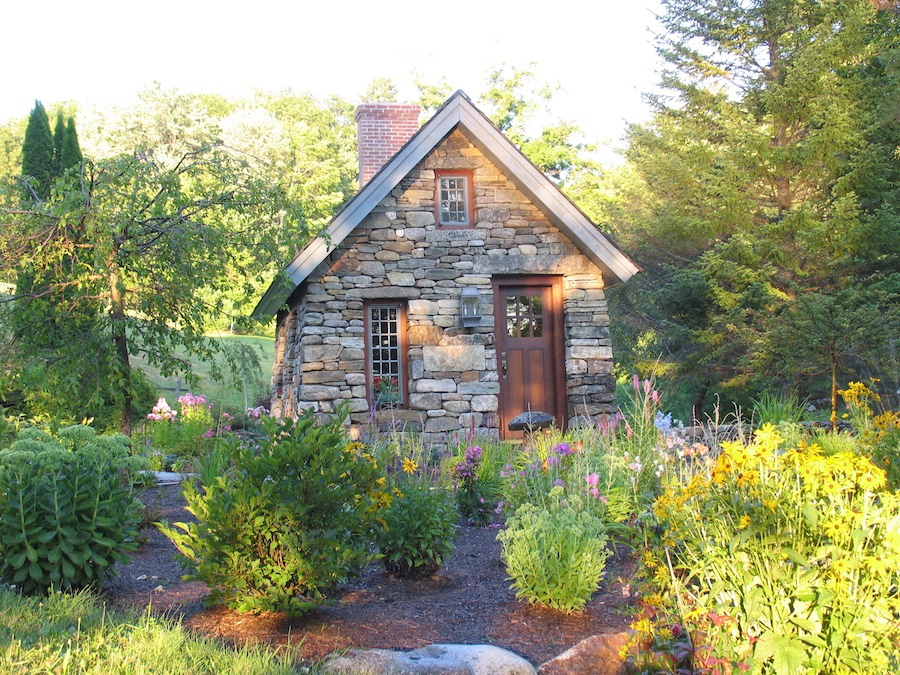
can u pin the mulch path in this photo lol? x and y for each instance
(469, 601)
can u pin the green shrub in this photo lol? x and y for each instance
(415, 533)
(281, 523)
(555, 555)
(67, 512)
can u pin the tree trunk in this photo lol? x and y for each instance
(699, 401)
(120, 338)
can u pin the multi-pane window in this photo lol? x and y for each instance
(453, 195)
(385, 347)
(524, 316)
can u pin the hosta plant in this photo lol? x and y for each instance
(555, 555)
(279, 523)
(67, 513)
(415, 533)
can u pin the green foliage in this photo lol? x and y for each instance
(67, 514)
(555, 555)
(750, 200)
(512, 99)
(772, 409)
(476, 478)
(380, 90)
(415, 533)
(185, 434)
(784, 558)
(76, 632)
(37, 154)
(131, 277)
(281, 523)
(70, 153)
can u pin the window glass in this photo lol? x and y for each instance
(385, 356)
(453, 198)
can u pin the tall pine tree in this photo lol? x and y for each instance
(744, 200)
(59, 135)
(70, 153)
(37, 154)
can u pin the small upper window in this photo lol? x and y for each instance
(453, 198)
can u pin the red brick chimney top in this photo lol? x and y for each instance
(383, 128)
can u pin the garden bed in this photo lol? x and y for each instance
(468, 602)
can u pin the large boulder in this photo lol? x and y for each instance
(430, 660)
(596, 655)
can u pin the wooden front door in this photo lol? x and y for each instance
(528, 324)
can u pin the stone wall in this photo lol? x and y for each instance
(398, 252)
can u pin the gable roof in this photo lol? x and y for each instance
(457, 112)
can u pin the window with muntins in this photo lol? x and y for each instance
(385, 328)
(453, 198)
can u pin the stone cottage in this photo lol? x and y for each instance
(456, 290)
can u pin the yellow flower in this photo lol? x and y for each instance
(872, 480)
(381, 482)
(878, 565)
(832, 528)
(768, 437)
(842, 567)
(409, 466)
(744, 523)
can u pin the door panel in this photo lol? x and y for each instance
(528, 329)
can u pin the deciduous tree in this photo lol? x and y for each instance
(132, 244)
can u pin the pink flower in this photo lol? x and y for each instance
(636, 382)
(654, 396)
(647, 386)
(595, 493)
(592, 479)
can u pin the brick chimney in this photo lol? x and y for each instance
(383, 128)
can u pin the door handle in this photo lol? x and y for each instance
(503, 364)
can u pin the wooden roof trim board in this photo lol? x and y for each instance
(458, 111)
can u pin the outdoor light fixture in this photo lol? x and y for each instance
(470, 307)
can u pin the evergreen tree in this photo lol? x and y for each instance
(59, 134)
(749, 191)
(70, 152)
(37, 154)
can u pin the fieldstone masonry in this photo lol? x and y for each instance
(399, 253)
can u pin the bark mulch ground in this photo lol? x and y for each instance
(469, 601)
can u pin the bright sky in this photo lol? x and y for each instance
(100, 52)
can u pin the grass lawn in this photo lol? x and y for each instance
(75, 633)
(231, 390)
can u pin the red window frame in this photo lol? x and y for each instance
(470, 196)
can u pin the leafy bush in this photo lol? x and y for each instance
(415, 533)
(67, 512)
(554, 555)
(787, 559)
(281, 524)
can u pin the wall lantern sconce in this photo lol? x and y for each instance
(470, 307)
